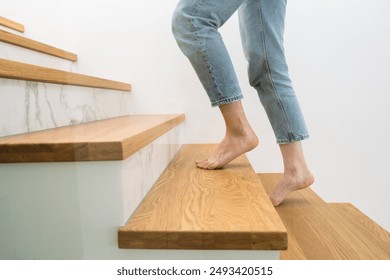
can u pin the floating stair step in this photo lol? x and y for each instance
(23, 42)
(190, 208)
(11, 24)
(110, 139)
(320, 232)
(22, 71)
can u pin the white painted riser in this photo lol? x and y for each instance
(73, 210)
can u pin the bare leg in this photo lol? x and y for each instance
(239, 138)
(296, 175)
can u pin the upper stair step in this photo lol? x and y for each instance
(11, 24)
(320, 232)
(22, 71)
(24, 42)
(191, 208)
(110, 139)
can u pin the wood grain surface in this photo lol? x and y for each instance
(191, 208)
(111, 139)
(350, 214)
(11, 24)
(322, 233)
(24, 42)
(22, 71)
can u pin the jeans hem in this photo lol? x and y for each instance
(226, 100)
(292, 140)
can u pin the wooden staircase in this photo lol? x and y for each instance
(327, 231)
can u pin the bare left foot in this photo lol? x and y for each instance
(289, 183)
(239, 138)
(231, 147)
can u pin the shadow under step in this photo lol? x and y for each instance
(317, 231)
(191, 208)
(110, 139)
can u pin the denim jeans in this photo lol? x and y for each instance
(195, 26)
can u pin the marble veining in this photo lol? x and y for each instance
(31, 106)
(27, 106)
(141, 170)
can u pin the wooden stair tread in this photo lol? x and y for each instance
(23, 71)
(11, 24)
(24, 42)
(351, 214)
(190, 208)
(110, 139)
(319, 231)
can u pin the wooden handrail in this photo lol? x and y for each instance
(23, 42)
(11, 24)
(22, 71)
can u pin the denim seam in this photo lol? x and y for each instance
(293, 139)
(275, 92)
(227, 100)
(205, 62)
(222, 98)
(210, 68)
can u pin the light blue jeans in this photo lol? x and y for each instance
(195, 26)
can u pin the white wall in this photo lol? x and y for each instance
(338, 56)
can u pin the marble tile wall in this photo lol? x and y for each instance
(30, 106)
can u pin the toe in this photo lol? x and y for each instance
(202, 164)
(212, 166)
(200, 161)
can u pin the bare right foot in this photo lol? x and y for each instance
(230, 148)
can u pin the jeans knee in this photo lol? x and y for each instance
(267, 69)
(257, 70)
(186, 31)
(180, 24)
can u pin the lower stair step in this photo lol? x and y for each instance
(191, 208)
(318, 231)
(363, 223)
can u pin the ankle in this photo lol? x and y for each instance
(298, 177)
(239, 131)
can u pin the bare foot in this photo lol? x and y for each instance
(290, 182)
(231, 147)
